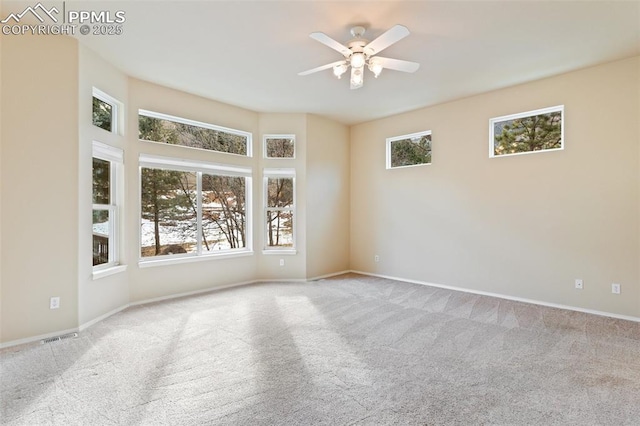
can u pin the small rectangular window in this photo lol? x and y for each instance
(106, 161)
(102, 114)
(105, 111)
(279, 193)
(409, 150)
(156, 127)
(279, 146)
(527, 132)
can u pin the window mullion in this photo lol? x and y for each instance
(112, 237)
(199, 229)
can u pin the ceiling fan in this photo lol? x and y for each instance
(360, 52)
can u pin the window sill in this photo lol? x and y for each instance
(169, 260)
(101, 273)
(280, 251)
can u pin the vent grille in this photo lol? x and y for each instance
(58, 338)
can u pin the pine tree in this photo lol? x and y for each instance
(534, 133)
(408, 152)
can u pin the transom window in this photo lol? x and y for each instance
(409, 150)
(279, 146)
(105, 111)
(156, 127)
(192, 209)
(527, 132)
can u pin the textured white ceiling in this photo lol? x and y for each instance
(248, 53)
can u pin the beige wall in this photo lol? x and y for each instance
(39, 185)
(269, 261)
(523, 226)
(1, 134)
(327, 206)
(166, 280)
(101, 296)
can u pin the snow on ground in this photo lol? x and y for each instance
(184, 232)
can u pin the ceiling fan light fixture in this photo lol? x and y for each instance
(375, 67)
(339, 69)
(357, 60)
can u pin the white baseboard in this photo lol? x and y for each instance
(102, 317)
(506, 297)
(96, 320)
(33, 339)
(282, 280)
(333, 274)
(190, 293)
(303, 280)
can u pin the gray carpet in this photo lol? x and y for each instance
(352, 350)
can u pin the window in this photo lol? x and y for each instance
(409, 150)
(192, 209)
(156, 127)
(279, 146)
(527, 132)
(279, 193)
(106, 161)
(105, 111)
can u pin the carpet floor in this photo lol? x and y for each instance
(350, 350)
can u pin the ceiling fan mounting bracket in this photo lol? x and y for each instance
(358, 31)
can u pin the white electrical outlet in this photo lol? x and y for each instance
(579, 284)
(281, 262)
(376, 258)
(615, 288)
(54, 303)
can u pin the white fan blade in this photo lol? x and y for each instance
(393, 35)
(323, 67)
(397, 64)
(328, 41)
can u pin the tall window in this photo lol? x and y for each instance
(106, 161)
(156, 127)
(279, 195)
(192, 209)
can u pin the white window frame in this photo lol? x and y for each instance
(161, 116)
(278, 173)
(116, 111)
(199, 168)
(492, 121)
(115, 157)
(265, 138)
(390, 140)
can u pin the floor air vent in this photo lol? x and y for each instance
(58, 338)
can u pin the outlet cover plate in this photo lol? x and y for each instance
(54, 303)
(579, 284)
(615, 288)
